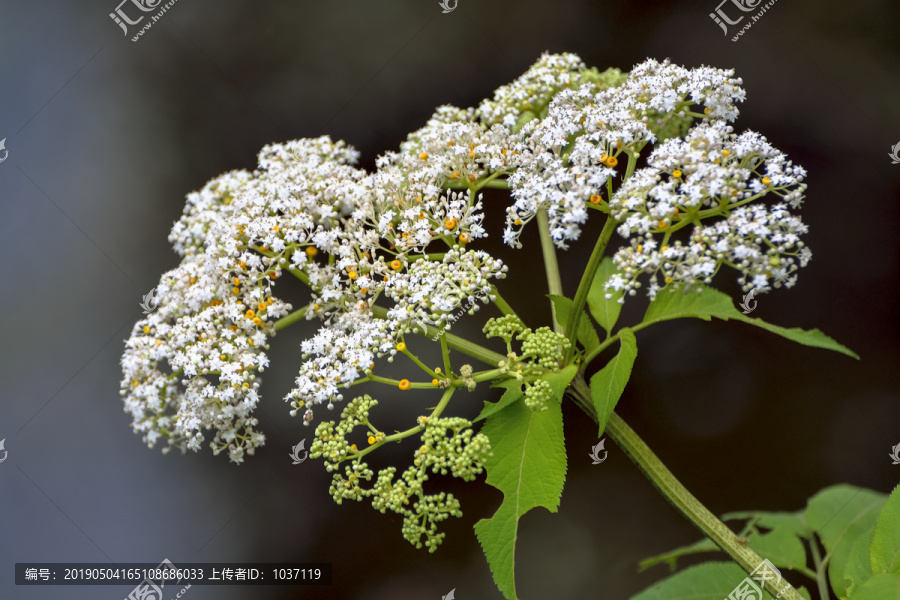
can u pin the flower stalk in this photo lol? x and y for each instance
(675, 492)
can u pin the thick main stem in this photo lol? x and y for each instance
(678, 495)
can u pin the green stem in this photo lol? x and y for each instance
(418, 362)
(821, 571)
(445, 355)
(393, 382)
(487, 375)
(472, 349)
(673, 491)
(497, 184)
(429, 256)
(402, 435)
(586, 280)
(453, 341)
(292, 318)
(554, 281)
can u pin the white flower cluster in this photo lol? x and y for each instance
(352, 236)
(533, 90)
(565, 160)
(712, 174)
(559, 137)
(190, 365)
(430, 290)
(338, 355)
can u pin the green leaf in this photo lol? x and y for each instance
(560, 380)
(885, 586)
(529, 466)
(673, 304)
(885, 551)
(707, 581)
(839, 514)
(781, 547)
(605, 312)
(858, 568)
(836, 509)
(608, 383)
(587, 335)
(671, 557)
(793, 522)
(513, 392)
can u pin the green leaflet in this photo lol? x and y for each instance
(840, 514)
(706, 581)
(671, 557)
(529, 467)
(513, 392)
(885, 586)
(859, 528)
(605, 312)
(834, 510)
(885, 550)
(586, 335)
(608, 383)
(793, 522)
(781, 547)
(858, 568)
(673, 304)
(560, 380)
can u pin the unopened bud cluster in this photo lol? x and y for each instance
(542, 350)
(449, 446)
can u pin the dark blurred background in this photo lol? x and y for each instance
(106, 136)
